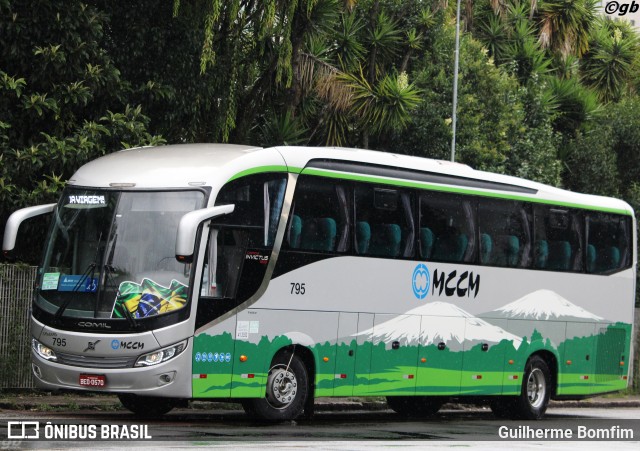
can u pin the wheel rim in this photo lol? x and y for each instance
(536, 388)
(282, 387)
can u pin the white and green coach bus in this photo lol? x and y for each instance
(275, 276)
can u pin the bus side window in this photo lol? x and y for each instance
(223, 263)
(505, 233)
(608, 242)
(319, 220)
(384, 222)
(558, 239)
(258, 201)
(447, 228)
(221, 287)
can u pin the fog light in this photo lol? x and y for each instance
(166, 378)
(36, 370)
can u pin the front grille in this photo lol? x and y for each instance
(96, 362)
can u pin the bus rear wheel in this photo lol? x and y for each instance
(415, 406)
(287, 391)
(146, 406)
(536, 390)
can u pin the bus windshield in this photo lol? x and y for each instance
(111, 254)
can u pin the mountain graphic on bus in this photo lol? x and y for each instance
(543, 305)
(442, 325)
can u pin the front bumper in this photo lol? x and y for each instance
(169, 379)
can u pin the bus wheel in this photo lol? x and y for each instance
(536, 389)
(287, 391)
(146, 406)
(415, 406)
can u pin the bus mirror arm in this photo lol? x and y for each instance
(188, 229)
(14, 221)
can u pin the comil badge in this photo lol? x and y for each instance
(421, 281)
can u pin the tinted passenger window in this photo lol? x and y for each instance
(384, 222)
(558, 238)
(608, 242)
(319, 219)
(447, 231)
(258, 204)
(505, 233)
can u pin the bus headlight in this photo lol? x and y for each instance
(161, 355)
(43, 351)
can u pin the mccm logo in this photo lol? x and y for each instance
(421, 281)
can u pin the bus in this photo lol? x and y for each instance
(274, 276)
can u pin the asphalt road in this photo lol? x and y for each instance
(360, 430)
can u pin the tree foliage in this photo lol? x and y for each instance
(547, 90)
(62, 101)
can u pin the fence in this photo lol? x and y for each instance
(16, 288)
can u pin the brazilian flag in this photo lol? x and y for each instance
(149, 298)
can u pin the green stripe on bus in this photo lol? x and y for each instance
(262, 169)
(421, 185)
(456, 190)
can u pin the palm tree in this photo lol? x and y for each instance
(523, 56)
(574, 104)
(565, 24)
(492, 32)
(609, 66)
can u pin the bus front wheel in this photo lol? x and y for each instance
(287, 391)
(146, 406)
(536, 390)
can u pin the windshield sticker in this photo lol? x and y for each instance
(87, 200)
(50, 281)
(149, 298)
(81, 284)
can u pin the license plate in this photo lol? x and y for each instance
(93, 380)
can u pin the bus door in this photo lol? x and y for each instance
(440, 355)
(483, 364)
(394, 354)
(576, 372)
(233, 270)
(213, 344)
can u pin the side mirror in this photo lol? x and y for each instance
(188, 228)
(14, 221)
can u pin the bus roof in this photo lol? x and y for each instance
(189, 165)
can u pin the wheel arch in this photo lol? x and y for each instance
(552, 362)
(307, 356)
(309, 360)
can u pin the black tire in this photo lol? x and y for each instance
(147, 406)
(536, 391)
(287, 391)
(415, 406)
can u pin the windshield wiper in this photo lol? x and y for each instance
(108, 270)
(90, 270)
(129, 316)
